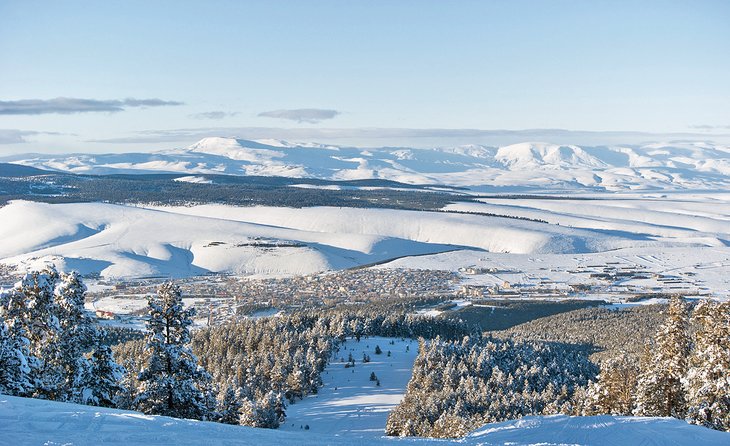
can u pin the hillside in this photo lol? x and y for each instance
(129, 241)
(27, 421)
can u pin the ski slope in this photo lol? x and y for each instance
(25, 421)
(349, 403)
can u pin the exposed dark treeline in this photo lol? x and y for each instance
(506, 313)
(226, 189)
(610, 333)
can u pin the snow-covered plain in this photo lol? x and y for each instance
(25, 421)
(522, 166)
(702, 270)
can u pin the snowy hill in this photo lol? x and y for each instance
(128, 241)
(26, 421)
(536, 165)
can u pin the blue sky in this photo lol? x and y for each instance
(294, 68)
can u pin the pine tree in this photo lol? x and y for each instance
(708, 378)
(251, 415)
(613, 393)
(659, 386)
(275, 401)
(38, 315)
(171, 382)
(449, 426)
(103, 382)
(267, 413)
(14, 369)
(76, 336)
(229, 407)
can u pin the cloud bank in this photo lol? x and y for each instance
(709, 128)
(76, 105)
(14, 136)
(217, 114)
(418, 138)
(308, 115)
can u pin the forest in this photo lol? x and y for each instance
(581, 362)
(21, 183)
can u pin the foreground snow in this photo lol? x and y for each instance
(596, 431)
(36, 422)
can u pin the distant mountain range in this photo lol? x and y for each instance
(535, 165)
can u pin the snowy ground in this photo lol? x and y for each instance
(697, 270)
(349, 403)
(36, 422)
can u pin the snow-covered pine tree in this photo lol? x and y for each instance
(171, 383)
(76, 336)
(14, 367)
(659, 386)
(708, 377)
(229, 407)
(267, 413)
(103, 380)
(249, 414)
(613, 393)
(42, 327)
(450, 426)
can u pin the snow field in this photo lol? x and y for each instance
(705, 267)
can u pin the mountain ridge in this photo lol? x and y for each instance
(672, 166)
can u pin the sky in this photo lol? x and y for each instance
(97, 76)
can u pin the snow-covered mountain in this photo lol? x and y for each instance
(537, 165)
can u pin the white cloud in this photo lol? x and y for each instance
(76, 105)
(308, 115)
